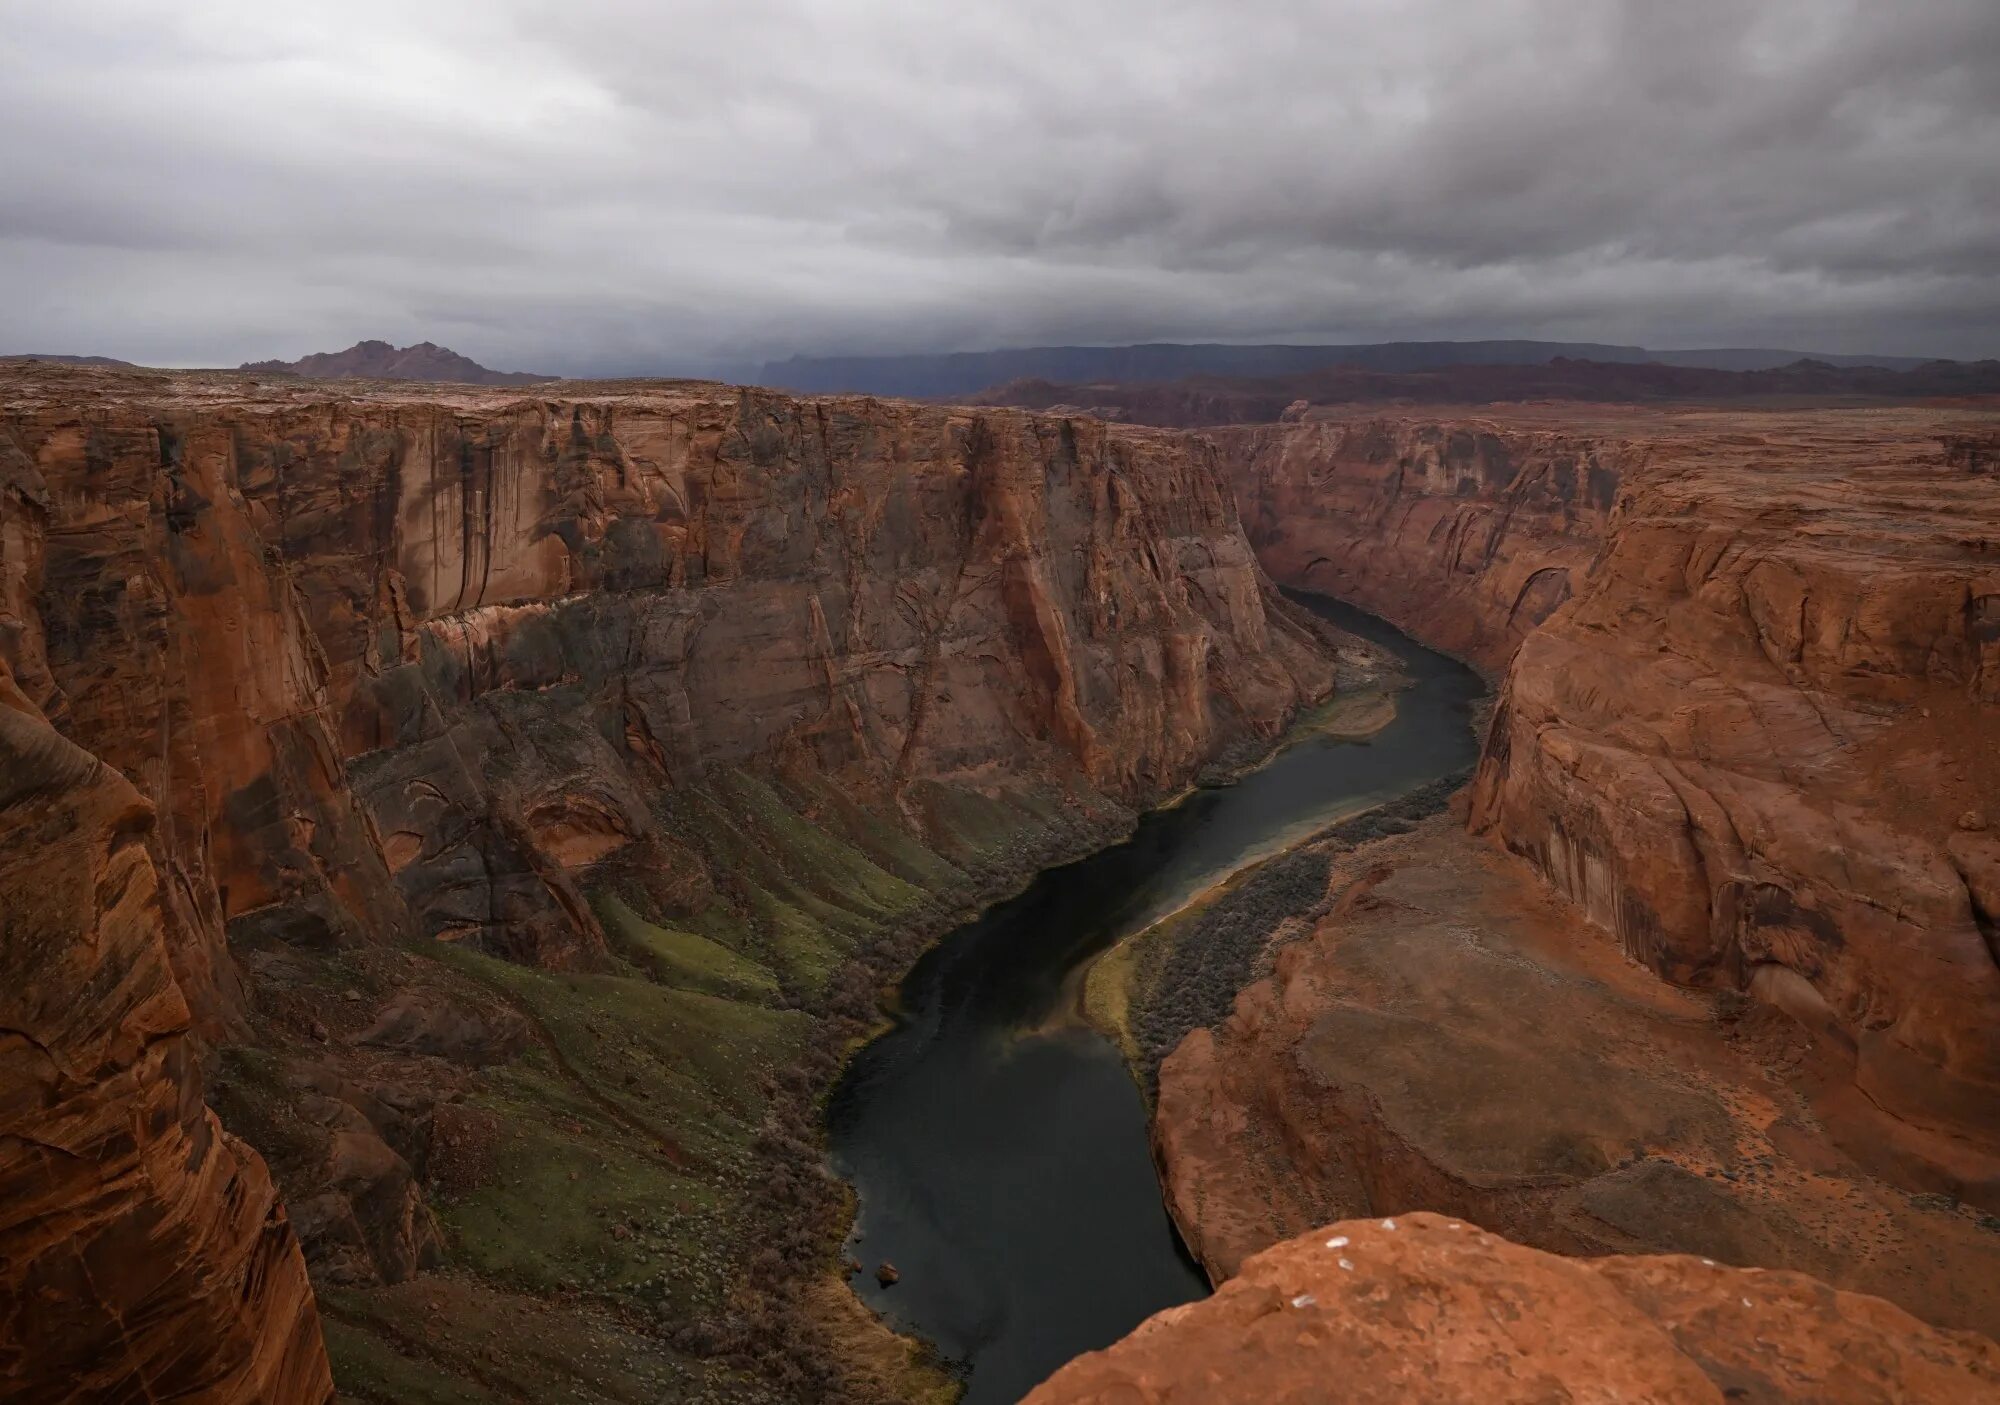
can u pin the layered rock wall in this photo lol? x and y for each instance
(144, 1254)
(1750, 722)
(1466, 532)
(404, 660)
(1761, 746)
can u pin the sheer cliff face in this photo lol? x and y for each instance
(1468, 533)
(411, 660)
(1751, 716)
(1762, 745)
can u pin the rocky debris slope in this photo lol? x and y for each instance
(524, 766)
(1750, 721)
(1427, 1308)
(1450, 1036)
(144, 1254)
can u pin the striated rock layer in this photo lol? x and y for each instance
(1426, 1308)
(421, 665)
(1467, 533)
(144, 1254)
(411, 658)
(1751, 722)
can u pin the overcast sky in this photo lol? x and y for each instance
(631, 185)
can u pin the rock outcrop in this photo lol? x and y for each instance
(1761, 746)
(1754, 728)
(1742, 997)
(405, 669)
(1426, 1308)
(144, 1254)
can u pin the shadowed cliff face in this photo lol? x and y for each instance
(517, 678)
(404, 660)
(1466, 533)
(1750, 723)
(1762, 748)
(146, 1253)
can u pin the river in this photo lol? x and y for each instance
(1000, 1154)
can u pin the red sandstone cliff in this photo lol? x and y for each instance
(420, 665)
(143, 1252)
(349, 645)
(1454, 1036)
(1468, 533)
(1426, 1308)
(1761, 745)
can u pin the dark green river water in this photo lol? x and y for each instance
(1006, 1171)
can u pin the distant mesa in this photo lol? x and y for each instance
(953, 374)
(111, 361)
(1210, 401)
(377, 360)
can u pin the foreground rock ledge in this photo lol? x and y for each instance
(1424, 1308)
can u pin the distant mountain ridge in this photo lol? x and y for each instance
(1205, 401)
(377, 360)
(968, 372)
(61, 360)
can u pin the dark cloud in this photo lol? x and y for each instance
(624, 184)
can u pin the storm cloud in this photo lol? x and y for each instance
(608, 185)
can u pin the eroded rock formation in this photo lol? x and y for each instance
(389, 661)
(144, 1254)
(1427, 1308)
(1762, 744)
(1746, 742)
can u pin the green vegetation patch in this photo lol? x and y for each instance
(1007, 833)
(797, 893)
(684, 1066)
(448, 1339)
(367, 1367)
(683, 959)
(576, 1201)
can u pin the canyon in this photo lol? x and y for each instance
(502, 799)
(1748, 718)
(1705, 961)
(476, 825)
